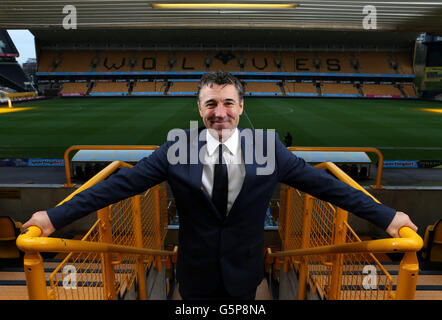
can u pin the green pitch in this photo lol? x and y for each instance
(410, 130)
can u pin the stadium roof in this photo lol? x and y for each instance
(417, 16)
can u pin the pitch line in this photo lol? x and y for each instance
(249, 119)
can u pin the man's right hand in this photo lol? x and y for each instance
(40, 219)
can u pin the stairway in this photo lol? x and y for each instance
(13, 282)
(429, 284)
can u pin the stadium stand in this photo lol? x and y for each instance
(189, 61)
(183, 87)
(245, 61)
(258, 61)
(381, 90)
(9, 230)
(404, 63)
(112, 61)
(360, 66)
(49, 60)
(335, 62)
(373, 62)
(409, 90)
(148, 86)
(432, 250)
(339, 88)
(12, 75)
(74, 88)
(254, 86)
(302, 87)
(110, 87)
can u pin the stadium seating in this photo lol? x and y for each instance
(333, 62)
(74, 87)
(267, 87)
(404, 62)
(9, 230)
(259, 62)
(47, 59)
(116, 61)
(339, 88)
(409, 89)
(432, 250)
(72, 60)
(189, 61)
(373, 62)
(247, 61)
(298, 87)
(380, 90)
(144, 87)
(12, 75)
(117, 87)
(183, 87)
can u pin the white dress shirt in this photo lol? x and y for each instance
(235, 166)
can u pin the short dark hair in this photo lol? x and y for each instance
(220, 78)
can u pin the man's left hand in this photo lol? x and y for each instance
(400, 220)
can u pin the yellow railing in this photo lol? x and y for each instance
(67, 168)
(128, 236)
(126, 239)
(350, 149)
(20, 95)
(327, 254)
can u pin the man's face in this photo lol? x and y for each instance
(220, 108)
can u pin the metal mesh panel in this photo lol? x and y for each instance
(164, 216)
(364, 278)
(147, 207)
(87, 281)
(282, 211)
(79, 275)
(321, 234)
(121, 215)
(295, 213)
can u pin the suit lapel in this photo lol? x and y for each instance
(196, 166)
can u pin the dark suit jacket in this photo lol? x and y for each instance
(212, 248)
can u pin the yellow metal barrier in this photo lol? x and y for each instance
(125, 240)
(89, 147)
(328, 255)
(350, 149)
(20, 95)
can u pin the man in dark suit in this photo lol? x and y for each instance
(222, 178)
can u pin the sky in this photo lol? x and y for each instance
(24, 42)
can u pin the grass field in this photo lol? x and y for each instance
(410, 130)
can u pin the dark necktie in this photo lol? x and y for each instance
(220, 184)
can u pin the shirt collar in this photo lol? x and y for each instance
(231, 143)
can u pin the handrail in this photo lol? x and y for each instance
(91, 147)
(100, 176)
(410, 241)
(341, 175)
(30, 240)
(354, 149)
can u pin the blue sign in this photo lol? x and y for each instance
(400, 164)
(45, 163)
